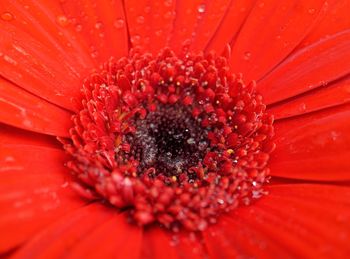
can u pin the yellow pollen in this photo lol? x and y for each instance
(230, 151)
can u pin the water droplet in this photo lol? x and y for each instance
(247, 55)
(168, 15)
(140, 19)
(158, 33)
(191, 141)
(201, 8)
(99, 25)
(7, 16)
(135, 39)
(62, 20)
(147, 9)
(168, 3)
(10, 60)
(78, 27)
(119, 24)
(262, 4)
(302, 107)
(221, 201)
(311, 11)
(94, 54)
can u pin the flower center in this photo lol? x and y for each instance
(174, 140)
(169, 140)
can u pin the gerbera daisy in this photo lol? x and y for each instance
(174, 129)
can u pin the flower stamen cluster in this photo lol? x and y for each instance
(176, 140)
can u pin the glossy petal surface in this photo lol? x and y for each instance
(272, 30)
(24, 110)
(32, 194)
(308, 68)
(314, 146)
(296, 220)
(334, 94)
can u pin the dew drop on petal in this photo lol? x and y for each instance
(78, 27)
(167, 15)
(158, 33)
(10, 60)
(247, 55)
(302, 107)
(201, 8)
(262, 4)
(94, 54)
(147, 9)
(6, 16)
(99, 25)
(168, 3)
(311, 11)
(62, 20)
(140, 20)
(119, 24)
(135, 39)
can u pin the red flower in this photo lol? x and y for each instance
(298, 52)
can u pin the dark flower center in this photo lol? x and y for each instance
(169, 140)
(174, 140)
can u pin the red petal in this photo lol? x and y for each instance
(102, 25)
(230, 25)
(11, 135)
(40, 53)
(335, 20)
(185, 23)
(55, 240)
(150, 23)
(32, 193)
(313, 146)
(157, 243)
(335, 94)
(312, 67)
(232, 237)
(299, 220)
(161, 244)
(24, 110)
(116, 238)
(272, 30)
(210, 16)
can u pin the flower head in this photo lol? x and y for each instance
(164, 115)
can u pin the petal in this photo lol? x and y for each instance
(335, 20)
(101, 25)
(293, 221)
(314, 146)
(309, 68)
(40, 53)
(162, 244)
(150, 23)
(32, 193)
(210, 16)
(185, 23)
(231, 24)
(15, 136)
(157, 243)
(272, 30)
(115, 238)
(24, 110)
(335, 94)
(56, 240)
